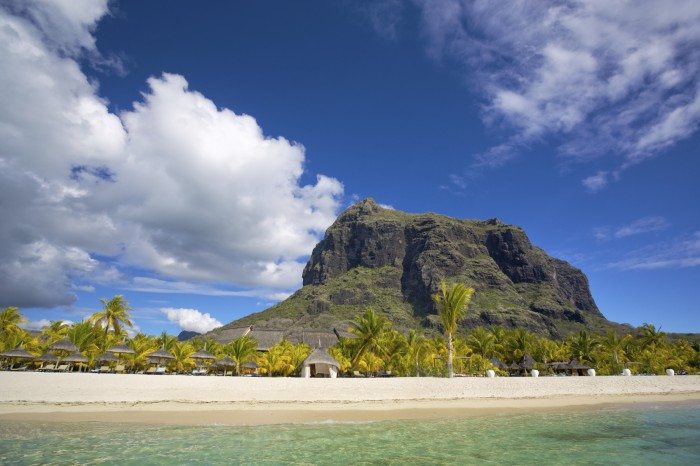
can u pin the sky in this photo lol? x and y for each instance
(189, 155)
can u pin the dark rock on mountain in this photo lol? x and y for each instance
(394, 261)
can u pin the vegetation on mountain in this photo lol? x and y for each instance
(394, 262)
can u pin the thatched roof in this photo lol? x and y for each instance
(64, 345)
(319, 356)
(266, 338)
(108, 357)
(48, 357)
(120, 349)
(313, 338)
(203, 355)
(75, 357)
(575, 365)
(19, 353)
(229, 334)
(498, 363)
(514, 367)
(527, 362)
(161, 354)
(559, 365)
(225, 362)
(251, 365)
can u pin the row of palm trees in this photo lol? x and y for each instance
(374, 346)
(108, 328)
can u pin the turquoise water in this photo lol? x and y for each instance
(653, 435)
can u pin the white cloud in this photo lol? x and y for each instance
(637, 227)
(176, 186)
(643, 225)
(607, 76)
(36, 324)
(191, 319)
(154, 285)
(682, 253)
(595, 183)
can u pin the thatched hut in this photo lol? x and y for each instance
(250, 368)
(576, 368)
(16, 355)
(498, 364)
(320, 364)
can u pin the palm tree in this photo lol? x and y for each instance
(272, 361)
(182, 352)
(10, 319)
(166, 341)
(583, 345)
(451, 302)
(482, 342)
(615, 346)
(370, 363)
(241, 350)
(652, 337)
(519, 344)
(114, 315)
(369, 330)
(415, 349)
(142, 346)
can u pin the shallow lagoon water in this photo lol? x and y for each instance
(649, 435)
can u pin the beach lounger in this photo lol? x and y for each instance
(357, 374)
(62, 368)
(161, 370)
(150, 370)
(49, 368)
(20, 368)
(120, 369)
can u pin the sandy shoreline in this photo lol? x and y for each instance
(188, 400)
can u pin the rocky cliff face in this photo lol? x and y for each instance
(394, 261)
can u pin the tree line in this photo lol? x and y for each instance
(373, 347)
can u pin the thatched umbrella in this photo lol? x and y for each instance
(497, 363)
(108, 357)
(64, 345)
(121, 349)
(527, 363)
(251, 365)
(203, 355)
(76, 357)
(225, 363)
(161, 355)
(46, 360)
(17, 353)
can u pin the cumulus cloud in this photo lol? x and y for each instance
(176, 185)
(606, 76)
(191, 319)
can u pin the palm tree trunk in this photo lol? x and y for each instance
(450, 349)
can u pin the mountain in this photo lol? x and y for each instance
(393, 261)
(186, 335)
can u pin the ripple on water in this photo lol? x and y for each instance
(621, 436)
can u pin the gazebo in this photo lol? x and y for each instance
(319, 364)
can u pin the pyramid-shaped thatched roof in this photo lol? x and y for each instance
(319, 356)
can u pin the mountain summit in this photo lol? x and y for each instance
(393, 261)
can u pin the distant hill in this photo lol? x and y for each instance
(393, 261)
(186, 335)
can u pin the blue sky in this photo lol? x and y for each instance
(133, 168)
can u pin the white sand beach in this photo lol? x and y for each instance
(177, 399)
